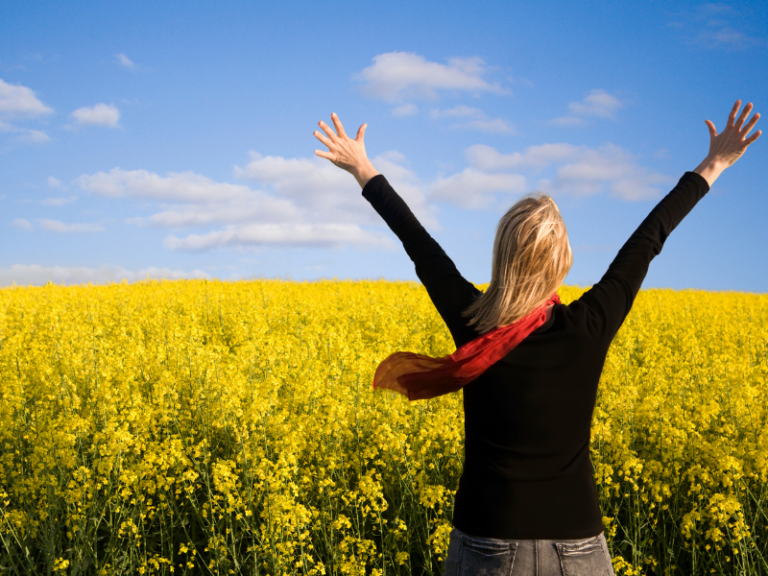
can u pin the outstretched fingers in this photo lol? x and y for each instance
(751, 124)
(734, 111)
(338, 126)
(323, 139)
(711, 128)
(752, 138)
(361, 133)
(327, 129)
(331, 154)
(344, 152)
(743, 115)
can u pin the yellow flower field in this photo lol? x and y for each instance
(205, 427)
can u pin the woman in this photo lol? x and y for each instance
(527, 502)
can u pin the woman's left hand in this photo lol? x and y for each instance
(728, 146)
(345, 152)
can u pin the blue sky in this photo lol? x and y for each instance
(175, 139)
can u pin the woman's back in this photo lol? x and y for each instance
(527, 472)
(530, 410)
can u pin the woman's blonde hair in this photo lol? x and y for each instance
(531, 257)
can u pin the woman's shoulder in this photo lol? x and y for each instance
(572, 317)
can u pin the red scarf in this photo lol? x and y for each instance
(418, 376)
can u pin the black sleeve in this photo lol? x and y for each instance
(450, 292)
(610, 300)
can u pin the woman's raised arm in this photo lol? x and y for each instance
(449, 291)
(612, 297)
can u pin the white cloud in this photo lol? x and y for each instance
(17, 100)
(709, 9)
(476, 119)
(405, 110)
(303, 202)
(34, 136)
(726, 37)
(203, 201)
(24, 134)
(175, 186)
(458, 111)
(325, 191)
(201, 215)
(22, 223)
(579, 170)
(314, 184)
(597, 104)
(63, 228)
(488, 158)
(54, 182)
(609, 166)
(22, 275)
(404, 75)
(317, 235)
(123, 60)
(568, 121)
(99, 115)
(718, 21)
(473, 188)
(492, 125)
(58, 201)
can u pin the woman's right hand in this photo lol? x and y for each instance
(346, 153)
(728, 146)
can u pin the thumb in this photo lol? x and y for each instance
(711, 127)
(361, 133)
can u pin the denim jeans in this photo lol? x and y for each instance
(471, 556)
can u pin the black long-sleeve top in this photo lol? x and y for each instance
(527, 472)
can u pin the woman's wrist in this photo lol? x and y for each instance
(710, 169)
(364, 173)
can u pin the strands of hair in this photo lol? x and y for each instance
(531, 257)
